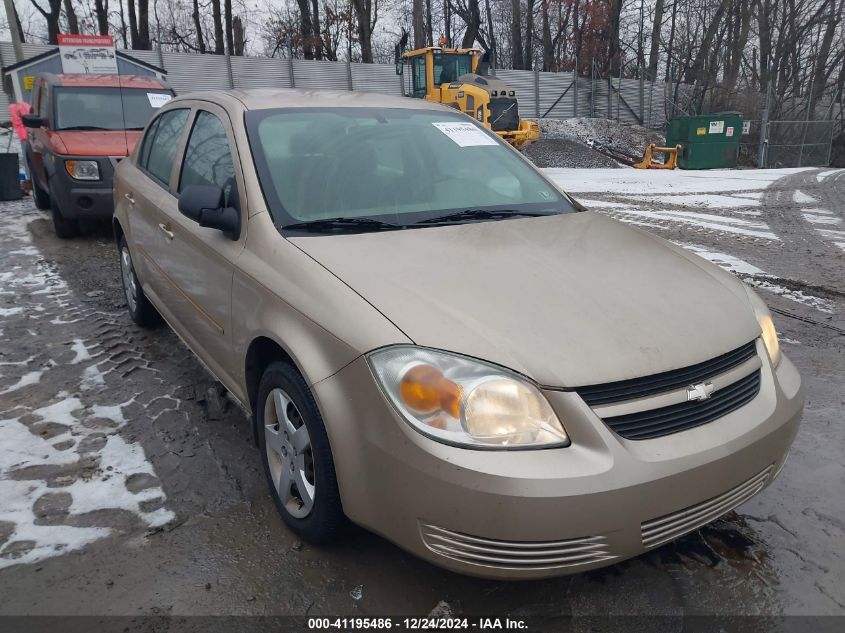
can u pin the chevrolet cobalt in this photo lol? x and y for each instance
(437, 343)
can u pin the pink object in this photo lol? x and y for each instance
(16, 111)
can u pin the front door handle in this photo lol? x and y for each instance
(165, 228)
(129, 197)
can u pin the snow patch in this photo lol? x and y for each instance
(799, 197)
(81, 352)
(821, 219)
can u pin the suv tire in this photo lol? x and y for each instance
(39, 196)
(65, 227)
(298, 432)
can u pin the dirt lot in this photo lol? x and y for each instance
(129, 483)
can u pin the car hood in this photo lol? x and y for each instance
(94, 143)
(568, 300)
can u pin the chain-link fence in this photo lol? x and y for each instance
(798, 143)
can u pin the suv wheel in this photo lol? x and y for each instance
(64, 227)
(297, 457)
(39, 196)
(140, 308)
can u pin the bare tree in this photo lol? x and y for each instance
(51, 14)
(72, 21)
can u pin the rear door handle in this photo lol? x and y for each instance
(129, 197)
(165, 228)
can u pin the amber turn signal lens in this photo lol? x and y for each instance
(425, 390)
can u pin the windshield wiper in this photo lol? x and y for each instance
(339, 225)
(481, 214)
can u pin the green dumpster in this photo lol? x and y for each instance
(707, 141)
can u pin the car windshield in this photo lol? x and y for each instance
(106, 108)
(396, 166)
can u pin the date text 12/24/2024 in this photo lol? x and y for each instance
(416, 624)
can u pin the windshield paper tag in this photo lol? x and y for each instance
(157, 100)
(464, 134)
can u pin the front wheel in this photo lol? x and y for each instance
(65, 227)
(297, 457)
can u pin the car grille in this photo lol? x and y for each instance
(608, 393)
(653, 423)
(525, 555)
(667, 528)
(502, 115)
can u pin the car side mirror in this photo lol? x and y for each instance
(33, 121)
(205, 205)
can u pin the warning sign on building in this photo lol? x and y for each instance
(87, 54)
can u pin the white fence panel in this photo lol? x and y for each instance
(312, 73)
(557, 95)
(261, 72)
(376, 78)
(188, 72)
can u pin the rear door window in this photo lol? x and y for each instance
(163, 138)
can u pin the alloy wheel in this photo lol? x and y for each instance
(289, 454)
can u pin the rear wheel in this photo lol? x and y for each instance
(140, 308)
(297, 457)
(64, 227)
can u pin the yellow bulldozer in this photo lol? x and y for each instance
(458, 77)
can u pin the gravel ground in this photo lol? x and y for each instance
(154, 502)
(565, 143)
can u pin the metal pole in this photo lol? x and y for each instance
(13, 29)
(764, 130)
(537, 92)
(592, 88)
(229, 70)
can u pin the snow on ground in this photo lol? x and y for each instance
(657, 181)
(67, 454)
(802, 198)
(758, 278)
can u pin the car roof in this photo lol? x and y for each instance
(105, 81)
(267, 98)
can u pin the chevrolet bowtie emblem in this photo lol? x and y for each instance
(701, 391)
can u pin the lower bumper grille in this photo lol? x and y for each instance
(667, 528)
(525, 555)
(680, 417)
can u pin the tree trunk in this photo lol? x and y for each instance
(614, 52)
(823, 70)
(306, 29)
(429, 28)
(516, 34)
(528, 57)
(52, 17)
(669, 48)
(227, 17)
(473, 23)
(239, 36)
(18, 25)
(493, 53)
(363, 12)
(546, 39)
(133, 23)
(143, 25)
(418, 23)
(101, 12)
(651, 73)
(72, 22)
(198, 27)
(315, 28)
(217, 17)
(447, 21)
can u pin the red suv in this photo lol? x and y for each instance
(80, 127)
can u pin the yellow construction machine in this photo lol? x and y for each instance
(458, 77)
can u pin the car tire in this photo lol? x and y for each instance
(39, 196)
(140, 309)
(295, 452)
(65, 227)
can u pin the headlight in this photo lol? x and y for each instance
(764, 318)
(463, 401)
(83, 169)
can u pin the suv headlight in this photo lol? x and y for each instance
(466, 402)
(83, 169)
(764, 318)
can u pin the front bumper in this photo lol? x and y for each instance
(78, 199)
(539, 513)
